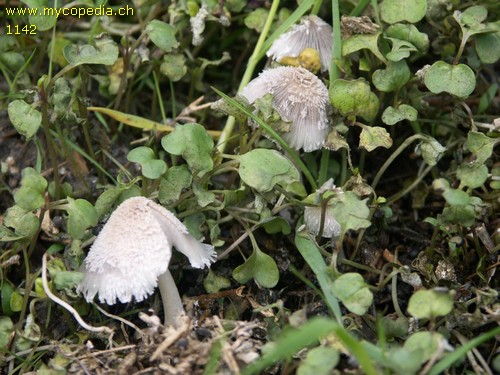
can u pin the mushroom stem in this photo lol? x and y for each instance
(172, 303)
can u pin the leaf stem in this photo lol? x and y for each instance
(252, 63)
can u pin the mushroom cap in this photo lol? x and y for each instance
(133, 249)
(311, 32)
(298, 96)
(312, 219)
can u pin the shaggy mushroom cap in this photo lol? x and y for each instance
(134, 248)
(311, 32)
(299, 97)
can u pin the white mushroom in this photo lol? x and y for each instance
(299, 97)
(311, 32)
(130, 256)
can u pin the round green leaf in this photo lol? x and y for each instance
(174, 66)
(171, 186)
(393, 115)
(488, 47)
(372, 137)
(213, 283)
(6, 331)
(458, 80)
(456, 197)
(352, 290)
(256, 19)
(393, 11)
(351, 212)
(358, 42)
(151, 168)
(260, 267)
(431, 150)
(24, 223)
(262, 169)
(162, 34)
(354, 98)
(480, 145)
(319, 361)
(82, 215)
(429, 304)
(31, 195)
(472, 176)
(410, 34)
(104, 52)
(393, 77)
(423, 345)
(24, 117)
(193, 143)
(41, 20)
(67, 279)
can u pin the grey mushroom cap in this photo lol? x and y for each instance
(134, 248)
(298, 96)
(312, 219)
(311, 32)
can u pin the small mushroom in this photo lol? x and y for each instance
(130, 256)
(300, 98)
(312, 214)
(311, 32)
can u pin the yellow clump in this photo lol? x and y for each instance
(308, 59)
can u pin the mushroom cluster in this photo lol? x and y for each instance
(130, 256)
(300, 98)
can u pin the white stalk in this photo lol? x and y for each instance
(172, 303)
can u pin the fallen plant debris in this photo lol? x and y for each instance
(338, 160)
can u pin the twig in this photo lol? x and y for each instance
(171, 339)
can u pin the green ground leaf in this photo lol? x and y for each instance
(150, 166)
(351, 212)
(458, 80)
(162, 35)
(275, 225)
(352, 290)
(31, 195)
(67, 279)
(480, 145)
(393, 77)
(354, 98)
(472, 175)
(472, 16)
(25, 118)
(174, 66)
(429, 304)
(488, 47)
(372, 137)
(213, 283)
(81, 215)
(393, 115)
(464, 215)
(171, 186)
(260, 267)
(24, 223)
(262, 169)
(401, 49)
(358, 42)
(423, 345)
(393, 11)
(193, 143)
(402, 361)
(409, 33)
(456, 197)
(6, 331)
(319, 361)
(104, 52)
(256, 19)
(431, 150)
(41, 21)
